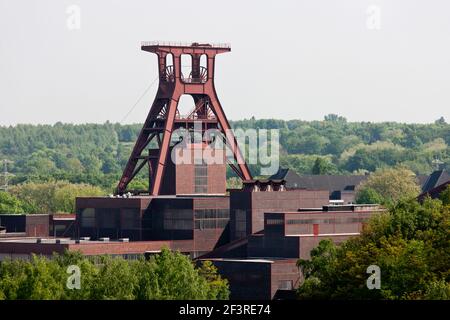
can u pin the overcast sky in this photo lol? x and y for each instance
(379, 60)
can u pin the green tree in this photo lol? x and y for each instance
(73, 166)
(441, 121)
(410, 244)
(234, 183)
(168, 275)
(51, 197)
(38, 279)
(96, 153)
(322, 166)
(115, 280)
(218, 287)
(445, 196)
(391, 184)
(368, 195)
(334, 118)
(9, 203)
(65, 195)
(177, 277)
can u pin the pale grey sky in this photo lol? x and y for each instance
(290, 59)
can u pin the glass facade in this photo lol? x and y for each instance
(177, 219)
(211, 218)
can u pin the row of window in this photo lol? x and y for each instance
(329, 221)
(274, 221)
(212, 213)
(199, 224)
(211, 224)
(180, 219)
(178, 224)
(110, 218)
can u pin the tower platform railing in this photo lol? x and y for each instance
(185, 44)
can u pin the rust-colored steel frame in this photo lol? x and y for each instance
(163, 117)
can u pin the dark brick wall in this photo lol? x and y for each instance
(282, 271)
(34, 225)
(248, 280)
(156, 220)
(257, 280)
(242, 202)
(13, 223)
(273, 246)
(326, 222)
(208, 239)
(257, 203)
(117, 210)
(284, 201)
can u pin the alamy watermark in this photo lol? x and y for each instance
(74, 278)
(374, 280)
(252, 146)
(73, 21)
(373, 21)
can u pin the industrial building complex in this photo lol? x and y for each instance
(254, 235)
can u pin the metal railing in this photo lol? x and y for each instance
(185, 44)
(193, 80)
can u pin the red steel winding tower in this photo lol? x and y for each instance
(164, 118)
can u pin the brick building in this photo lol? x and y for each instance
(265, 262)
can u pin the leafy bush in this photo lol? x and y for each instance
(168, 275)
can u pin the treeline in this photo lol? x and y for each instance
(96, 153)
(165, 276)
(350, 147)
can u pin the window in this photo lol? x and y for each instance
(88, 218)
(178, 219)
(274, 221)
(241, 223)
(211, 218)
(130, 219)
(201, 178)
(223, 213)
(108, 218)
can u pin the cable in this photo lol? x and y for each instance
(138, 100)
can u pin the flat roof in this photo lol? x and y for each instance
(323, 235)
(34, 240)
(177, 196)
(325, 212)
(251, 259)
(53, 240)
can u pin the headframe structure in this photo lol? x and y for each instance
(164, 117)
